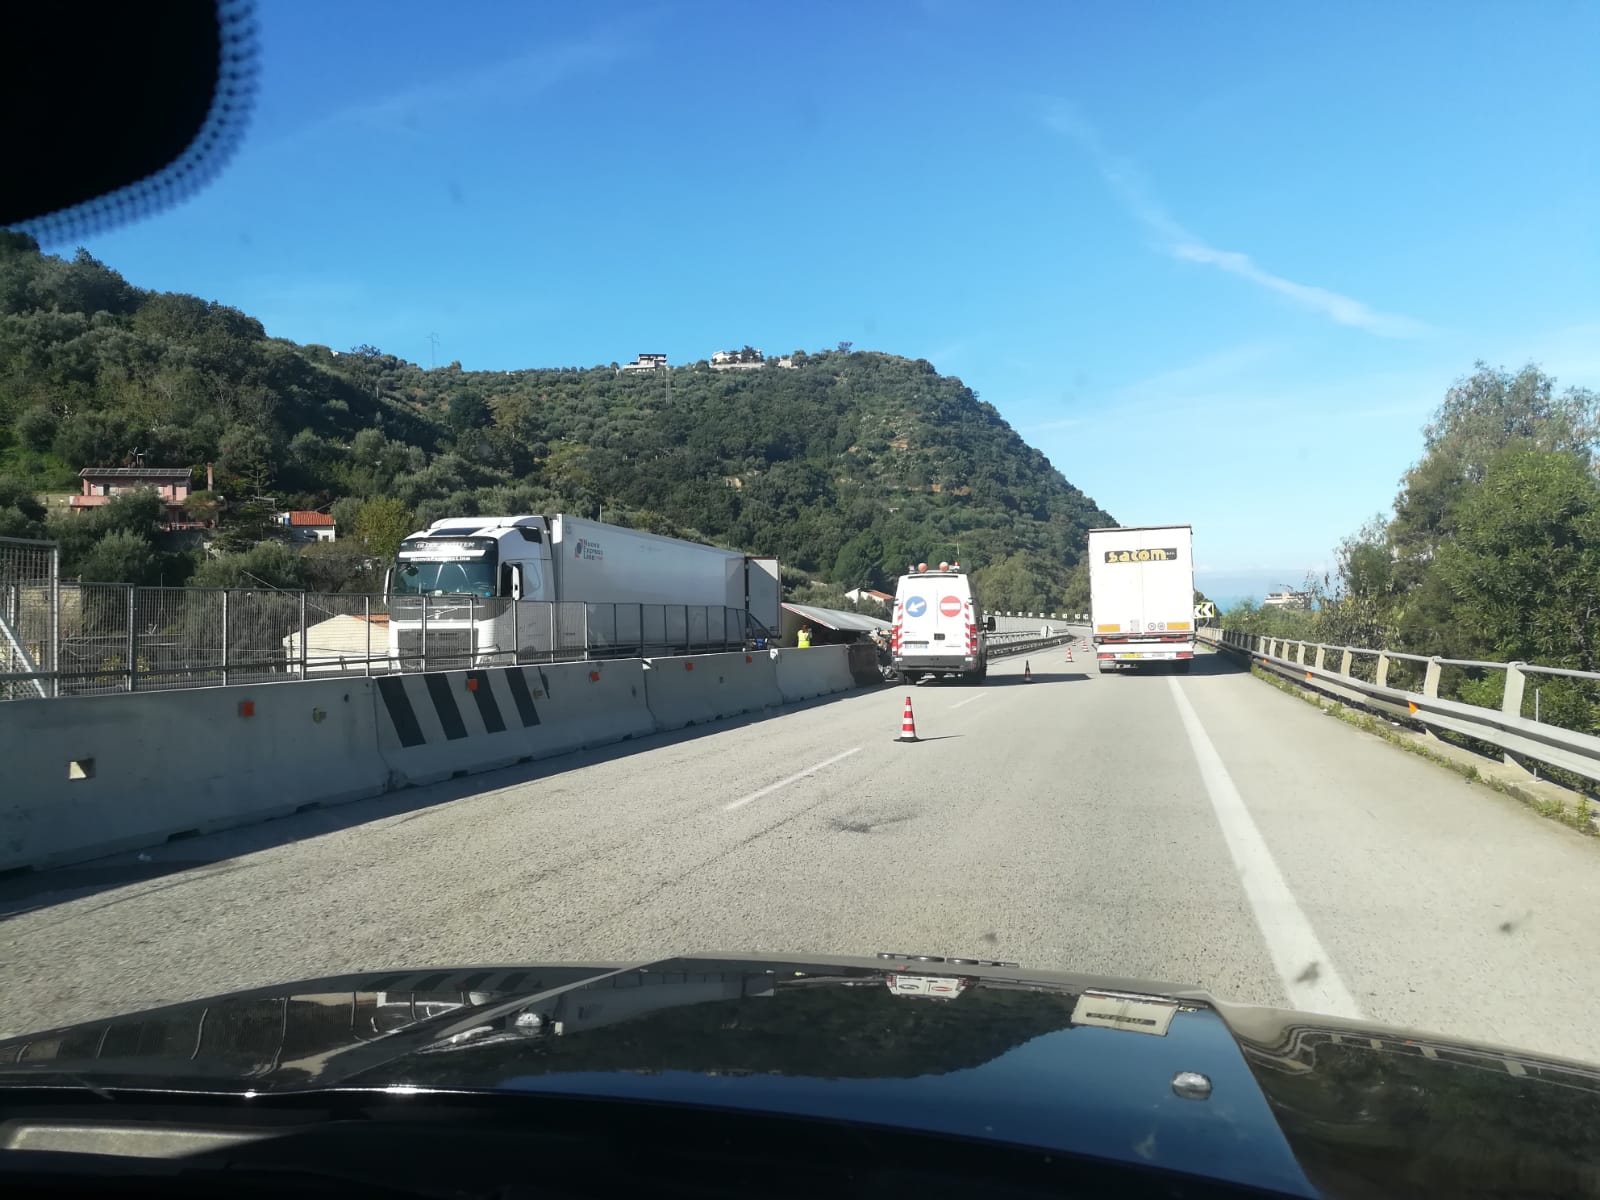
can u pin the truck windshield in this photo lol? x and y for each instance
(435, 578)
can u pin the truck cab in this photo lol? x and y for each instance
(938, 625)
(454, 588)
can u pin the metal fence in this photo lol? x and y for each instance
(95, 638)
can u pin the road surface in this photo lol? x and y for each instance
(1203, 829)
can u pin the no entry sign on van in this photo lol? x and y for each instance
(950, 606)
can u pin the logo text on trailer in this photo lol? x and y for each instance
(589, 550)
(1169, 554)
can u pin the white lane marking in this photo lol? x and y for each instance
(772, 787)
(968, 700)
(1308, 975)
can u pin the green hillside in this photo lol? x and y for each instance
(847, 466)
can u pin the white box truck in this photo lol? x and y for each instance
(1141, 596)
(480, 591)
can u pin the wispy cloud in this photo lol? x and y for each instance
(1127, 183)
(434, 106)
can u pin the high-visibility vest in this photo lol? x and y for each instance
(804, 639)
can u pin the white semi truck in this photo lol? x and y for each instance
(482, 591)
(1141, 596)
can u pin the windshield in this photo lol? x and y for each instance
(1157, 536)
(436, 578)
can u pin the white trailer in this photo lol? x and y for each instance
(1141, 596)
(494, 590)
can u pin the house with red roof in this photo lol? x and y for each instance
(307, 527)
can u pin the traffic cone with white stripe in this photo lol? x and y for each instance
(908, 725)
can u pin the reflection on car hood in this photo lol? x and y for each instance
(1137, 1072)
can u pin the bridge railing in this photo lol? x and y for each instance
(1409, 686)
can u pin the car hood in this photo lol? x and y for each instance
(1116, 1068)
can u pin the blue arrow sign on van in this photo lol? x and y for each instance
(916, 606)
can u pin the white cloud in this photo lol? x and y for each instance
(1171, 238)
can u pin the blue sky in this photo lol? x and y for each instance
(1219, 262)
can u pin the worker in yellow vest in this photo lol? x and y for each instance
(803, 638)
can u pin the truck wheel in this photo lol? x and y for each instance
(982, 672)
(1108, 668)
(1184, 664)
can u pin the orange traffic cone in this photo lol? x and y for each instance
(1027, 672)
(908, 725)
(1069, 653)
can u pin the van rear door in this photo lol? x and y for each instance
(934, 619)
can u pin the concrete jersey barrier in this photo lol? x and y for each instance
(816, 671)
(694, 689)
(442, 724)
(92, 775)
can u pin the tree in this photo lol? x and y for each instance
(468, 412)
(859, 562)
(382, 524)
(21, 514)
(36, 427)
(339, 566)
(1482, 414)
(845, 347)
(268, 565)
(203, 506)
(1523, 568)
(120, 556)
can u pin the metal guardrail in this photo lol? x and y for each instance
(1516, 736)
(1017, 643)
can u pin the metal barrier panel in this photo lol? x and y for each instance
(653, 626)
(602, 626)
(179, 638)
(571, 619)
(630, 627)
(96, 639)
(258, 623)
(30, 573)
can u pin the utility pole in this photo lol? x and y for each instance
(433, 350)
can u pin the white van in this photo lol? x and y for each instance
(938, 625)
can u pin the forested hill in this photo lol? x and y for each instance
(847, 466)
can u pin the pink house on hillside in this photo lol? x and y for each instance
(103, 484)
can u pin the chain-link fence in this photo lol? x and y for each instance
(95, 638)
(30, 572)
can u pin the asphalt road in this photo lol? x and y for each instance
(1203, 830)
